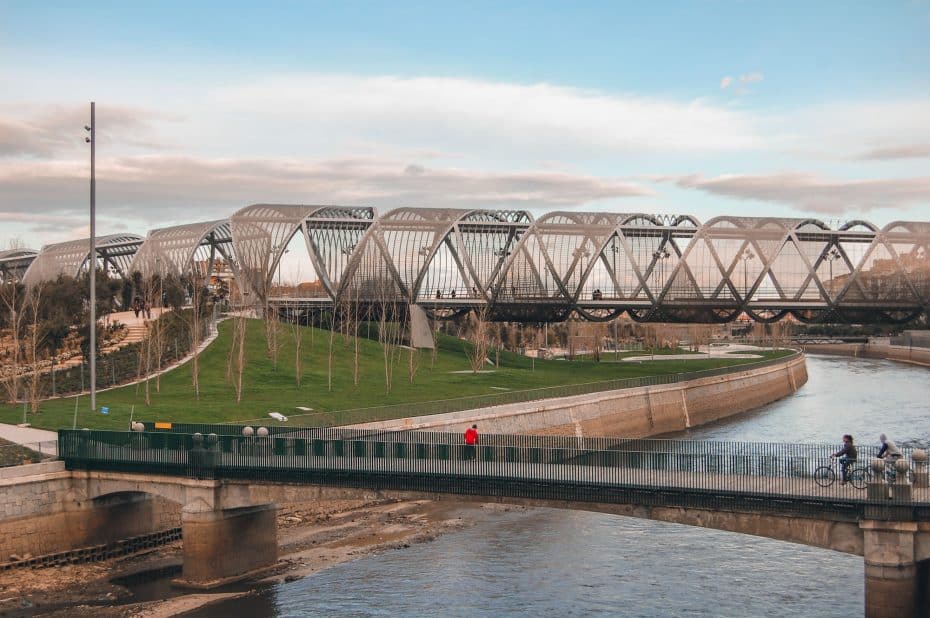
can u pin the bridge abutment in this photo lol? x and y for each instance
(892, 573)
(223, 546)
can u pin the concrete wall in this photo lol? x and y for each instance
(224, 546)
(41, 512)
(635, 412)
(904, 354)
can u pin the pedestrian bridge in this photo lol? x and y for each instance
(508, 265)
(217, 471)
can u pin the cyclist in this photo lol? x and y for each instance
(890, 453)
(847, 455)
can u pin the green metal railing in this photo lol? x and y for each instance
(729, 475)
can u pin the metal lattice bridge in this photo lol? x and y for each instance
(510, 266)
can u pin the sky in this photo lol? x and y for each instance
(795, 109)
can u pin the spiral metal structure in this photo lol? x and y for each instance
(595, 265)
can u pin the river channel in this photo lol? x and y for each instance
(546, 562)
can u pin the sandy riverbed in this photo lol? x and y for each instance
(311, 537)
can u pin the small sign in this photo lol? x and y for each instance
(162, 425)
(104, 410)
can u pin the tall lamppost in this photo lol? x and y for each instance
(92, 140)
(832, 255)
(746, 256)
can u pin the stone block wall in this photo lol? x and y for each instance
(634, 413)
(41, 513)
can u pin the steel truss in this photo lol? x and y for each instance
(593, 265)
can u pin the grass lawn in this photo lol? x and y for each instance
(267, 389)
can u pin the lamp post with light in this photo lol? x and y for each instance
(832, 255)
(92, 140)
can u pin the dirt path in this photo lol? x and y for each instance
(311, 537)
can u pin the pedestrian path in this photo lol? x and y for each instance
(37, 439)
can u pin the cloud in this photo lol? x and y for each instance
(162, 188)
(746, 78)
(811, 193)
(888, 153)
(456, 114)
(45, 131)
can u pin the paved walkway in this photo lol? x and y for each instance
(36, 439)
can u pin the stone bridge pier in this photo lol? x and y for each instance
(227, 535)
(897, 569)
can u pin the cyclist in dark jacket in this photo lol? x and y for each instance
(847, 454)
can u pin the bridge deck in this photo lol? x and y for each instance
(589, 475)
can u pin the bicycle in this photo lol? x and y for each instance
(890, 473)
(856, 475)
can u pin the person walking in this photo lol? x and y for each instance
(847, 454)
(471, 442)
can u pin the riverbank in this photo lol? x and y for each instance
(874, 349)
(635, 412)
(313, 536)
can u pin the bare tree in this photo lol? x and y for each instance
(298, 335)
(480, 339)
(157, 330)
(236, 359)
(33, 308)
(11, 297)
(329, 351)
(196, 327)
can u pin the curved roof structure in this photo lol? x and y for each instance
(14, 263)
(114, 252)
(595, 264)
(261, 233)
(172, 250)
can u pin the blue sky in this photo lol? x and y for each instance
(782, 108)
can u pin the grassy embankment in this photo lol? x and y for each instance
(267, 388)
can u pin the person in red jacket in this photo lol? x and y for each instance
(471, 442)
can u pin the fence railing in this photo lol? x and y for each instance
(645, 471)
(33, 452)
(472, 402)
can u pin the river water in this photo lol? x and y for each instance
(545, 562)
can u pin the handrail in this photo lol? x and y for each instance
(546, 467)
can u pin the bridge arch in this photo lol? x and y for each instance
(175, 250)
(72, 258)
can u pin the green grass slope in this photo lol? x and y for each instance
(268, 388)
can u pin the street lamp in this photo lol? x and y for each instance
(658, 258)
(746, 256)
(92, 140)
(832, 255)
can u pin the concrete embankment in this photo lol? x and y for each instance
(42, 511)
(634, 412)
(900, 353)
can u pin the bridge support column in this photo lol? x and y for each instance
(227, 545)
(891, 570)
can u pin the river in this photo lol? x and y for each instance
(545, 562)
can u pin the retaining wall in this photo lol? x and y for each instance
(900, 353)
(42, 513)
(635, 412)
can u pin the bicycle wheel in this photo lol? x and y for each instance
(858, 478)
(824, 476)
